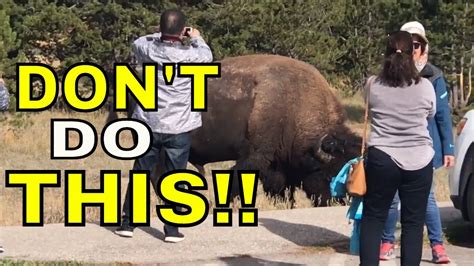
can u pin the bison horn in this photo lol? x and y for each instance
(320, 154)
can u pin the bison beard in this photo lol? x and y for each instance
(276, 115)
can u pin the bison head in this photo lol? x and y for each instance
(329, 154)
(341, 144)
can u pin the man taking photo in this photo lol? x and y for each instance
(173, 122)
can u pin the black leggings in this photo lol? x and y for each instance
(384, 177)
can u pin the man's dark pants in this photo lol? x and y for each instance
(176, 151)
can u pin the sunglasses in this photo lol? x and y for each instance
(416, 45)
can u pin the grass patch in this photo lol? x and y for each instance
(441, 185)
(341, 246)
(355, 108)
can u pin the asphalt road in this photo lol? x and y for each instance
(316, 236)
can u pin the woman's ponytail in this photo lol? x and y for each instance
(399, 68)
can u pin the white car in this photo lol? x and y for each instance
(461, 176)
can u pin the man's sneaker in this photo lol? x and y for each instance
(178, 237)
(174, 237)
(439, 254)
(387, 251)
(125, 229)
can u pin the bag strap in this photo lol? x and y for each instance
(366, 115)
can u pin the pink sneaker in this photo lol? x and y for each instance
(387, 251)
(439, 254)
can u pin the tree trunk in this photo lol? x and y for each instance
(469, 75)
(462, 103)
(455, 94)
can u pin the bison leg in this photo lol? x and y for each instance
(275, 184)
(249, 163)
(200, 169)
(274, 181)
(317, 189)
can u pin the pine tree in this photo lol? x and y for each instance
(8, 45)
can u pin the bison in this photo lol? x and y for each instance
(277, 115)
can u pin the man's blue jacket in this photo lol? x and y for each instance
(440, 126)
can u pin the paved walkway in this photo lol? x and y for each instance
(292, 237)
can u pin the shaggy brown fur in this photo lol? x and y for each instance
(270, 113)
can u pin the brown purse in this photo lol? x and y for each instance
(356, 184)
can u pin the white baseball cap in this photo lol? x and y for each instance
(415, 27)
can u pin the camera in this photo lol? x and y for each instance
(187, 31)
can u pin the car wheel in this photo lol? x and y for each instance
(470, 199)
